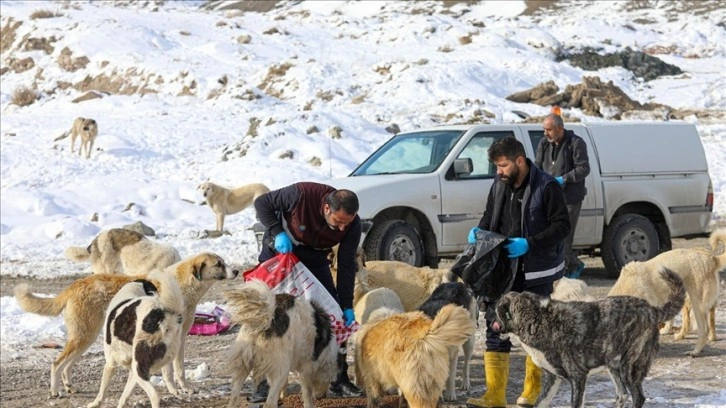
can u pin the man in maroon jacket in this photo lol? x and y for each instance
(309, 219)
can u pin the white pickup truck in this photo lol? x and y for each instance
(422, 191)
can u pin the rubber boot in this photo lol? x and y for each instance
(342, 387)
(532, 384)
(496, 367)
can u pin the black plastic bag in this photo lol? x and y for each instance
(485, 267)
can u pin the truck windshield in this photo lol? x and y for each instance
(417, 152)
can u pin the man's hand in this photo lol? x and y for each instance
(472, 235)
(349, 316)
(283, 244)
(517, 247)
(560, 180)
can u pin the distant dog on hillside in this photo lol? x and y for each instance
(118, 250)
(87, 129)
(698, 267)
(570, 339)
(278, 334)
(224, 201)
(410, 351)
(143, 332)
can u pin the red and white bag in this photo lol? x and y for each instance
(286, 274)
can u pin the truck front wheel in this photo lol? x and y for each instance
(395, 240)
(629, 237)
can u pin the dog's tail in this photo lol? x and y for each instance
(41, 305)
(63, 136)
(678, 295)
(78, 254)
(170, 294)
(716, 240)
(252, 305)
(452, 326)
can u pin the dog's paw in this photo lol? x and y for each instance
(70, 389)
(694, 353)
(54, 394)
(93, 404)
(465, 386)
(679, 336)
(188, 389)
(449, 396)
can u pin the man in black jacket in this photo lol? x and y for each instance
(526, 205)
(308, 219)
(563, 154)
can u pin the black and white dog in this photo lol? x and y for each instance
(278, 334)
(454, 293)
(570, 339)
(142, 333)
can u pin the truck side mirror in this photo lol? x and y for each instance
(463, 167)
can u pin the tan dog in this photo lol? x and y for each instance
(224, 201)
(412, 284)
(571, 290)
(87, 129)
(411, 352)
(118, 250)
(278, 334)
(143, 331)
(698, 267)
(84, 303)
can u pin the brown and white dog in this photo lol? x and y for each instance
(698, 267)
(143, 332)
(410, 351)
(225, 201)
(84, 302)
(119, 250)
(87, 129)
(279, 334)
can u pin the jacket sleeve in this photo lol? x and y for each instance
(270, 206)
(486, 219)
(556, 208)
(347, 266)
(539, 154)
(580, 161)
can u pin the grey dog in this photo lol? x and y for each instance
(570, 339)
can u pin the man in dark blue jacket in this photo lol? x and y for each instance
(309, 219)
(563, 155)
(528, 206)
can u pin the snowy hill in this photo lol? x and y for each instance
(183, 93)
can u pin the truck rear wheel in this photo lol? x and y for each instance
(395, 240)
(629, 237)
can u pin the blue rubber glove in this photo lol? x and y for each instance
(560, 180)
(472, 235)
(349, 315)
(516, 247)
(283, 244)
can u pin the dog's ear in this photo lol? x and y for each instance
(198, 270)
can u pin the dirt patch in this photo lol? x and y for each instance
(8, 34)
(68, 63)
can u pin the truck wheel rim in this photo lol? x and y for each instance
(402, 249)
(635, 246)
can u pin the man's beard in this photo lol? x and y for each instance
(511, 179)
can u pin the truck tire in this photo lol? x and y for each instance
(395, 240)
(629, 237)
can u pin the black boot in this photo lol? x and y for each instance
(342, 387)
(260, 395)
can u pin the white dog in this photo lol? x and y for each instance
(278, 334)
(143, 332)
(224, 201)
(698, 267)
(118, 250)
